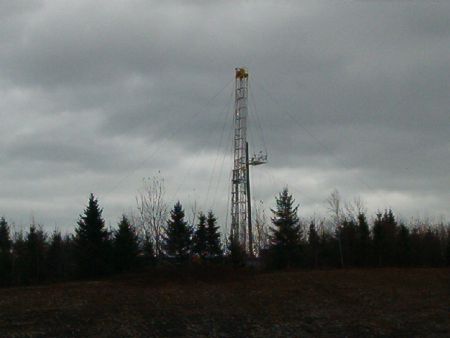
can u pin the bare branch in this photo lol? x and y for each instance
(152, 211)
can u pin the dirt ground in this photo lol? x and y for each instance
(325, 303)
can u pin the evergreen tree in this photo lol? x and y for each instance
(417, 250)
(403, 246)
(213, 245)
(313, 244)
(286, 234)
(391, 229)
(69, 258)
(363, 250)
(348, 233)
(178, 239)
(432, 248)
(378, 238)
(384, 238)
(329, 250)
(236, 253)
(91, 241)
(35, 254)
(447, 251)
(200, 237)
(55, 256)
(149, 252)
(19, 261)
(5, 253)
(125, 245)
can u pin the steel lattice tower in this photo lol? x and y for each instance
(239, 198)
(241, 212)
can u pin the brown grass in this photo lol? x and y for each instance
(228, 303)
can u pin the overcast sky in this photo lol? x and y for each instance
(94, 96)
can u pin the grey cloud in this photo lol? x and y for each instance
(350, 95)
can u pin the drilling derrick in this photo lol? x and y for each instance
(239, 176)
(241, 227)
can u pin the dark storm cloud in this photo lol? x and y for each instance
(351, 95)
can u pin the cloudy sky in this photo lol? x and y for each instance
(352, 95)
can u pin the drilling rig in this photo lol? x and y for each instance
(241, 211)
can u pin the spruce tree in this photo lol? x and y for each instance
(125, 245)
(5, 253)
(200, 237)
(286, 234)
(178, 239)
(91, 241)
(213, 245)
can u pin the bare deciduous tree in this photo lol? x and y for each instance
(193, 217)
(354, 208)
(261, 233)
(152, 211)
(334, 206)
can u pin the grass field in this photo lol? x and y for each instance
(325, 303)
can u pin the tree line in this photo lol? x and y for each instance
(349, 241)
(157, 237)
(93, 250)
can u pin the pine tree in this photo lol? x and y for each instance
(200, 237)
(125, 245)
(5, 253)
(286, 234)
(91, 241)
(213, 245)
(178, 239)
